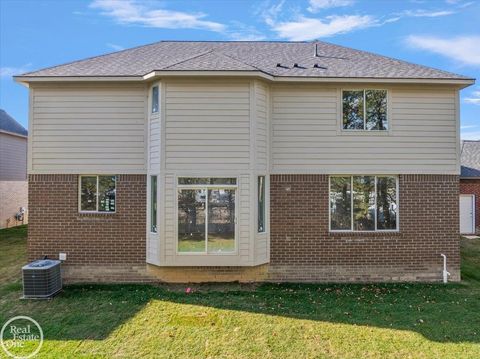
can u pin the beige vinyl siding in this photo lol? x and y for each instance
(307, 135)
(154, 144)
(82, 128)
(207, 125)
(170, 221)
(261, 248)
(13, 157)
(245, 248)
(261, 126)
(152, 249)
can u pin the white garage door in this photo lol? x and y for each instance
(467, 213)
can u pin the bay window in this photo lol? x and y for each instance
(363, 203)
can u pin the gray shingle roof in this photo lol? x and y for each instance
(8, 124)
(331, 61)
(470, 159)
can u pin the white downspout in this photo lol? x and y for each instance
(445, 272)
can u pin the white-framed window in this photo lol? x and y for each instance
(206, 215)
(261, 209)
(153, 204)
(363, 203)
(97, 193)
(364, 110)
(155, 99)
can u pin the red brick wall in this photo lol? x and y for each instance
(104, 239)
(111, 247)
(303, 249)
(472, 187)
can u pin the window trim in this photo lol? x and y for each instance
(97, 196)
(351, 230)
(364, 130)
(179, 187)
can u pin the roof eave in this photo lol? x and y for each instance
(14, 134)
(460, 82)
(185, 73)
(27, 79)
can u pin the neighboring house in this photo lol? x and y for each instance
(13, 172)
(220, 161)
(470, 187)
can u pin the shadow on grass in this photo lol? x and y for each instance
(448, 314)
(440, 313)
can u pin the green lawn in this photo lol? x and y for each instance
(247, 321)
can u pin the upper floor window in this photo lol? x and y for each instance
(97, 193)
(364, 110)
(155, 99)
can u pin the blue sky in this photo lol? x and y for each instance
(444, 33)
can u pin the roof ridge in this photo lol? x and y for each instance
(245, 63)
(399, 60)
(154, 43)
(187, 59)
(89, 58)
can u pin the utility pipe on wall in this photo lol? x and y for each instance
(445, 272)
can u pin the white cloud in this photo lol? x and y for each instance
(468, 126)
(12, 71)
(427, 13)
(305, 28)
(115, 47)
(464, 49)
(474, 99)
(270, 14)
(474, 135)
(132, 12)
(317, 5)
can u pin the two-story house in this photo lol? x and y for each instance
(13, 172)
(249, 161)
